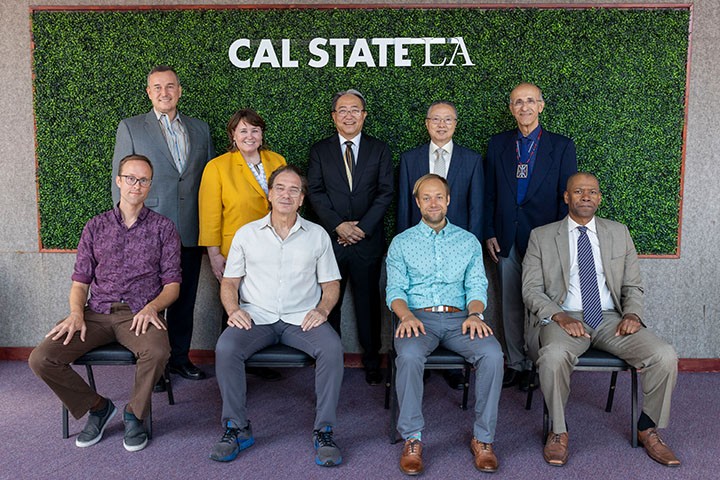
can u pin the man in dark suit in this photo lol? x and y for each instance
(350, 180)
(526, 170)
(179, 147)
(460, 166)
(582, 285)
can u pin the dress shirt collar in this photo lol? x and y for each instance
(572, 225)
(428, 231)
(118, 214)
(159, 115)
(355, 140)
(300, 222)
(448, 147)
(533, 136)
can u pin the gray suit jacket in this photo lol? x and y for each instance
(172, 194)
(546, 273)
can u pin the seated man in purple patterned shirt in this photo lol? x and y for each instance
(128, 260)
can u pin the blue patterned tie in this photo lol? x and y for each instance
(592, 308)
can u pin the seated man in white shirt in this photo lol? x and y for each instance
(280, 283)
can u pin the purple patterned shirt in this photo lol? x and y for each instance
(127, 264)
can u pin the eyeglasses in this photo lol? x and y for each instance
(294, 192)
(438, 120)
(130, 180)
(530, 102)
(355, 112)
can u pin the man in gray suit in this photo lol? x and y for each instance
(582, 285)
(179, 147)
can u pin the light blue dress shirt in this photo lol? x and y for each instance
(426, 268)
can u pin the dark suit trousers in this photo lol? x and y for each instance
(180, 313)
(364, 276)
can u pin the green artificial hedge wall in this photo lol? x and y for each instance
(613, 80)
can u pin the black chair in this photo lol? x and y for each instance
(595, 360)
(440, 359)
(112, 354)
(279, 356)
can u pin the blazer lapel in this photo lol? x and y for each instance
(606, 241)
(247, 174)
(152, 128)
(509, 163)
(543, 159)
(337, 159)
(563, 247)
(361, 161)
(455, 168)
(192, 145)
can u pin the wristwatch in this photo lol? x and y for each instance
(476, 314)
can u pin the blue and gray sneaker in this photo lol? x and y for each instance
(233, 441)
(327, 453)
(136, 437)
(95, 426)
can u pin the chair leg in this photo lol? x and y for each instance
(466, 386)
(168, 387)
(546, 422)
(65, 428)
(634, 408)
(611, 392)
(148, 422)
(91, 377)
(394, 407)
(528, 401)
(388, 382)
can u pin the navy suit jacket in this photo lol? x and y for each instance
(509, 221)
(465, 178)
(333, 202)
(172, 194)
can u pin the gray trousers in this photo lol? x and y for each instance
(513, 310)
(235, 345)
(643, 350)
(484, 354)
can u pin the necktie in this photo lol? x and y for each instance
(589, 292)
(349, 162)
(174, 144)
(439, 166)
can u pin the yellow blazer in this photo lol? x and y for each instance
(230, 197)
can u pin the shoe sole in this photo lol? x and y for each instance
(95, 440)
(135, 448)
(412, 474)
(328, 463)
(233, 455)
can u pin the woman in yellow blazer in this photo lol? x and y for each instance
(233, 190)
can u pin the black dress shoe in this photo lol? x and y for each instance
(267, 374)
(160, 386)
(454, 379)
(187, 370)
(511, 377)
(373, 376)
(528, 381)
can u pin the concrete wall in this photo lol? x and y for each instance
(682, 299)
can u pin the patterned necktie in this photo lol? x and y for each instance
(174, 144)
(589, 292)
(349, 162)
(439, 166)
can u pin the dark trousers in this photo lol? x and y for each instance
(364, 276)
(180, 313)
(50, 360)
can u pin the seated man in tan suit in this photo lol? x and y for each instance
(582, 285)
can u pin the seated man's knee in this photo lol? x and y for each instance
(666, 357)
(37, 361)
(553, 357)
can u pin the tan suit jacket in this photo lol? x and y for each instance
(546, 273)
(230, 197)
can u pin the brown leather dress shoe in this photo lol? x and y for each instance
(411, 459)
(485, 459)
(556, 449)
(656, 448)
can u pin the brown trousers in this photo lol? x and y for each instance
(51, 359)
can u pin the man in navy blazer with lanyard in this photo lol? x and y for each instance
(526, 171)
(460, 166)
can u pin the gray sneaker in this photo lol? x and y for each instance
(95, 426)
(233, 441)
(327, 453)
(136, 437)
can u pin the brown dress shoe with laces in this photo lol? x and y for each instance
(556, 449)
(656, 448)
(411, 459)
(485, 459)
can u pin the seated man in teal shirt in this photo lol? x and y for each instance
(436, 286)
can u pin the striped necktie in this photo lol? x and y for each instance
(439, 167)
(589, 292)
(349, 162)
